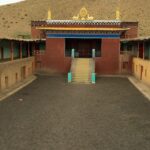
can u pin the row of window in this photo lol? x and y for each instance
(141, 50)
(5, 51)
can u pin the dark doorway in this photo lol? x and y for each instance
(83, 47)
(141, 50)
(6, 82)
(141, 72)
(23, 72)
(16, 77)
(1, 53)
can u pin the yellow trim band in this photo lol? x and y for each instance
(81, 29)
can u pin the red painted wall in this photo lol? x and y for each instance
(133, 30)
(108, 63)
(37, 34)
(54, 59)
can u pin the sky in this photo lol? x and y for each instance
(4, 2)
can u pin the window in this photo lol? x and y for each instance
(147, 50)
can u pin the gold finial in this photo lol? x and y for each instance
(118, 11)
(49, 17)
(83, 15)
(117, 15)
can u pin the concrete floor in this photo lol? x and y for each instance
(50, 114)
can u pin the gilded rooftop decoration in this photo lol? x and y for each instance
(83, 15)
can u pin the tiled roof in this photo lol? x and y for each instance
(84, 22)
(20, 39)
(80, 22)
(136, 39)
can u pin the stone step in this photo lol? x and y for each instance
(81, 75)
(85, 79)
(79, 79)
(84, 75)
(81, 70)
(82, 82)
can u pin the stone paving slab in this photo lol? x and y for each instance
(143, 88)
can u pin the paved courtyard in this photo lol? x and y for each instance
(50, 114)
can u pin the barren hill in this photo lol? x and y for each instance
(15, 19)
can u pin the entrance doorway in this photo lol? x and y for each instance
(83, 47)
(141, 50)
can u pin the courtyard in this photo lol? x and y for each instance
(50, 114)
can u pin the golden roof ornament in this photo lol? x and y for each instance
(118, 11)
(117, 14)
(49, 15)
(83, 15)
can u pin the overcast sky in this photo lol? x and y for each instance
(4, 2)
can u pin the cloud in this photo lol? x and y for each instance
(5, 2)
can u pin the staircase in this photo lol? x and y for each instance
(81, 69)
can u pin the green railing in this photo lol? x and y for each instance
(69, 77)
(93, 78)
(93, 74)
(70, 73)
(73, 53)
(93, 53)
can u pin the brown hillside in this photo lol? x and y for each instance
(15, 19)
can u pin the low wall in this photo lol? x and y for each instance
(15, 71)
(125, 63)
(141, 69)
